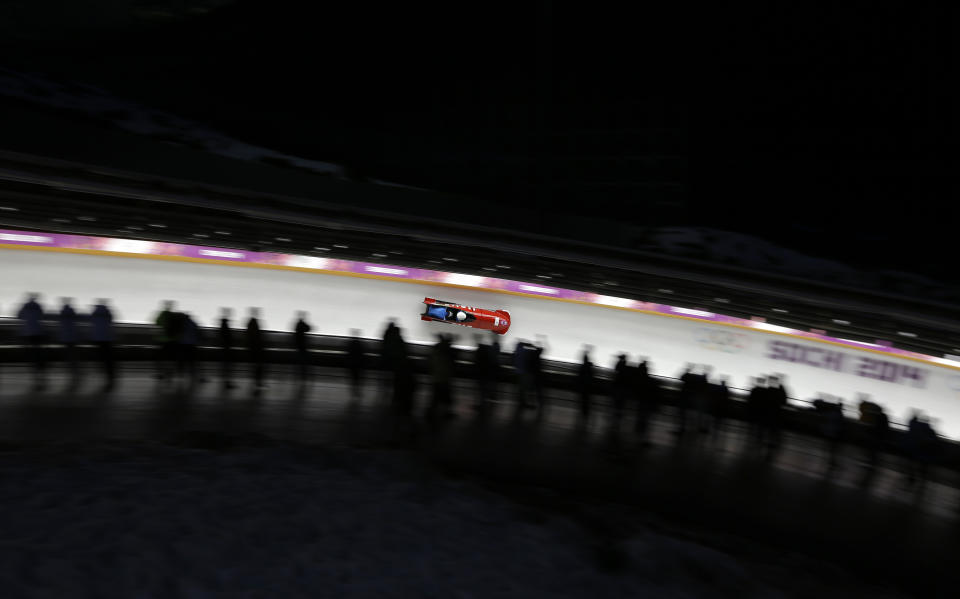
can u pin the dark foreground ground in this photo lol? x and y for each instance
(777, 527)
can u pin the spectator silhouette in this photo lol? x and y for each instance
(755, 409)
(702, 397)
(401, 365)
(832, 424)
(877, 429)
(494, 364)
(256, 350)
(69, 335)
(621, 387)
(645, 404)
(102, 335)
(34, 336)
(536, 372)
(441, 368)
(392, 351)
(921, 448)
(522, 364)
(688, 387)
(482, 371)
(225, 335)
(391, 348)
(775, 403)
(355, 363)
(650, 399)
(719, 405)
(187, 347)
(168, 336)
(300, 331)
(585, 376)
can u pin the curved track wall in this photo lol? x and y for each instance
(336, 304)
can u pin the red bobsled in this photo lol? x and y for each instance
(497, 321)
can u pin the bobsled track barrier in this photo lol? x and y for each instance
(341, 295)
(717, 487)
(722, 482)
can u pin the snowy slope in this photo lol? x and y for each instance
(695, 242)
(751, 252)
(99, 104)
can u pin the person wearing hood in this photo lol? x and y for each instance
(256, 349)
(301, 345)
(34, 336)
(102, 336)
(168, 335)
(225, 335)
(621, 385)
(585, 377)
(187, 344)
(67, 334)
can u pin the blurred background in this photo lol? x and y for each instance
(537, 150)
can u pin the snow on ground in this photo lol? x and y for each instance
(99, 104)
(694, 242)
(754, 253)
(137, 521)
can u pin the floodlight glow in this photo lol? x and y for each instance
(130, 246)
(385, 271)
(697, 313)
(307, 262)
(26, 238)
(465, 280)
(619, 302)
(772, 327)
(535, 289)
(221, 254)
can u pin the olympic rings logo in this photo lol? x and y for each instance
(726, 341)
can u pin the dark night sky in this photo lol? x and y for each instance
(829, 131)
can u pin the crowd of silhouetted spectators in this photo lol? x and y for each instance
(697, 403)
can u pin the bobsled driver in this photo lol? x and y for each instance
(447, 313)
